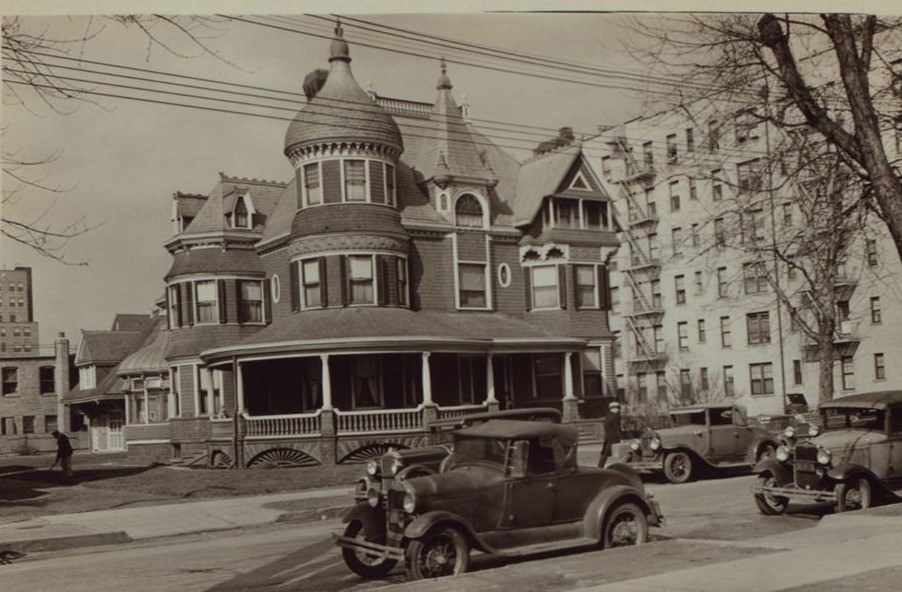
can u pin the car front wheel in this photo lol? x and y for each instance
(678, 467)
(767, 451)
(770, 505)
(444, 552)
(361, 563)
(625, 525)
(853, 495)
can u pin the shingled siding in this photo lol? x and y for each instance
(186, 390)
(276, 264)
(153, 431)
(189, 429)
(471, 246)
(432, 274)
(511, 300)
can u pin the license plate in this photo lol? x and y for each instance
(805, 465)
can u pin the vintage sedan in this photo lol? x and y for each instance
(855, 459)
(425, 460)
(703, 437)
(515, 489)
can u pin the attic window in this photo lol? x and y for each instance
(579, 182)
(468, 211)
(240, 217)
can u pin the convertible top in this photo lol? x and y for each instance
(511, 429)
(875, 400)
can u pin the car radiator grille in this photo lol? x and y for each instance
(805, 467)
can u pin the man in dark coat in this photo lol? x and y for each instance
(63, 453)
(612, 434)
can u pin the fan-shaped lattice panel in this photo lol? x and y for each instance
(282, 457)
(369, 451)
(220, 460)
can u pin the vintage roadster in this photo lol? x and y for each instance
(854, 459)
(514, 489)
(708, 436)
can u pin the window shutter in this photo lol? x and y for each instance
(604, 287)
(323, 291)
(223, 313)
(343, 278)
(384, 280)
(267, 300)
(294, 280)
(527, 286)
(562, 284)
(189, 302)
(238, 302)
(177, 321)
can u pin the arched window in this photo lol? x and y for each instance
(240, 214)
(468, 211)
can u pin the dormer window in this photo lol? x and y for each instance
(468, 212)
(240, 218)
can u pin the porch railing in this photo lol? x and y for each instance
(458, 410)
(379, 420)
(275, 426)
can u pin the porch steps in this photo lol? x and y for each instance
(199, 457)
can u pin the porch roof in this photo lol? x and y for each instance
(394, 329)
(109, 388)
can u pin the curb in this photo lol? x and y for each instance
(67, 542)
(312, 514)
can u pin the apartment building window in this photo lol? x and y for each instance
(726, 336)
(762, 378)
(10, 380)
(713, 136)
(879, 367)
(642, 387)
(729, 388)
(545, 293)
(797, 372)
(656, 299)
(754, 278)
(250, 301)
(679, 285)
(585, 276)
(848, 372)
(683, 335)
(699, 283)
(312, 282)
(658, 331)
(473, 284)
(674, 196)
(28, 424)
(648, 154)
(787, 214)
(615, 299)
(676, 236)
(702, 331)
(693, 189)
(685, 384)
(843, 310)
(312, 185)
(650, 207)
(690, 140)
(661, 386)
(206, 301)
(721, 282)
(758, 325)
(672, 150)
(716, 187)
(703, 378)
(720, 235)
(47, 380)
(653, 246)
(871, 246)
(749, 176)
(876, 314)
(8, 426)
(695, 236)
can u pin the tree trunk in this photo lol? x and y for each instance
(825, 371)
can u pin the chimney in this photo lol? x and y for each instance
(61, 380)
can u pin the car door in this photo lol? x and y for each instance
(529, 500)
(894, 446)
(723, 434)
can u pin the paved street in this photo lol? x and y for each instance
(288, 556)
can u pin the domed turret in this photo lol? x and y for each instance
(341, 111)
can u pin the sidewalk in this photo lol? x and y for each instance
(101, 527)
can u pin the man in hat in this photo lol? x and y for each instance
(612, 434)
(63, 453)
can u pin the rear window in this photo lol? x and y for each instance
(681, 419)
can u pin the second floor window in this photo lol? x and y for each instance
(585, 286)
(876, 314)
(250, 302)
(726, 337)
(545, 286)
(758, 325)
(205, 299)
(47, 379)
(360, 278)
(312, 186)
(762, 378)
(680, 287)
(755, 278)
(729, 389)
(472, 285)
(311, 283)
(683, 335)
(355, 180)
(10, 380)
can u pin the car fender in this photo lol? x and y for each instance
(373, 519)
(782, 473)
(755, 446)
(628, 472)
(423, 523)
(696, 457)
(605, 500)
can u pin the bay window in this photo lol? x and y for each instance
(205, 300)
(311, 282)
(250, 301)
(355, 180)
(360, 278)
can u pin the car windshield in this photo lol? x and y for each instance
(682, 419)
(863, 418)
(480, 450)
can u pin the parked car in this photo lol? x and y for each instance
(709, 436)
(515, 489)
(425, 460)
(855, 459)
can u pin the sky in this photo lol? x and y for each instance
(120, 161)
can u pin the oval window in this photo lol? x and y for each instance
(275, 288)
(504, 275)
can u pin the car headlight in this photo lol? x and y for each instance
(410, 499)
(824, 456)
(782, 453)
(789, 432)
(373, 497)
(372, 467)
(635, 445)
(396, 465)
(813, 430)
(655, 443)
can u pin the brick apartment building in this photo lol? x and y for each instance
(18, 329)
(410, 270)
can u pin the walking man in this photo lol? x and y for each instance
(63, 453)
(612, 434)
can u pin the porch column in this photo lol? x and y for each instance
(490, 400)
(569, 404)
(327, 383)
(211, 404)
(239, 384)
(427, 381)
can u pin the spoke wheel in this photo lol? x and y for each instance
(362, 563)
(444, 552)
(767, 451)
(853, 495)
(624, 526)
(770, 505)
(678, 467)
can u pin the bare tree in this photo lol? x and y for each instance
(31, 81)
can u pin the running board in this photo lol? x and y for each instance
(546, 547)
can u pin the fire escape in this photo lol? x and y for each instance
(643, 269)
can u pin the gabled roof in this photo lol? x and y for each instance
(106, 347)
(132, 322)
(212, 216)
(110, 387)
(538, 178)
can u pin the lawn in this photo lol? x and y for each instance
(28, 489)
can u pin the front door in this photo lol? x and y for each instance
(115, 438)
